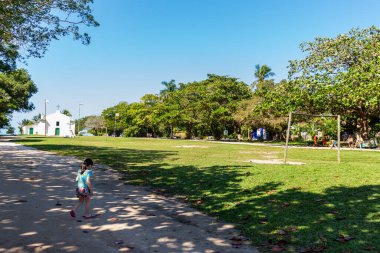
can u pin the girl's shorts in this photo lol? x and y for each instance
(83, 192)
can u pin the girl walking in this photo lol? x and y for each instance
(84, 189)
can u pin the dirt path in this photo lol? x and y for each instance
(37, 192)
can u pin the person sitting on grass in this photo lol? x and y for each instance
(333, 143)
(84, 189)
(350, 141)
(359, 141)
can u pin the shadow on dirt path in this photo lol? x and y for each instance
(37, 192)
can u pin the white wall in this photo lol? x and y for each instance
(66, 126)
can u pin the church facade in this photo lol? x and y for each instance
(57, 124)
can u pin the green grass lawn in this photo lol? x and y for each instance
(296, 207)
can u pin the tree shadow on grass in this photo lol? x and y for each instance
(37, 192)
(118, 158)
(272, 215)
(339, 219)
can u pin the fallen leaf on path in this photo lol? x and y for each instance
(281, 243)
(236, 245)
(322, 201)
(113, 219)
(277, 248)
(322, 238)
(199, 202)
(319, 248)
(236, 239)
(292, 229)
(263, 220)
(344, 239)
(305, 250)
(246, 217)
(118, 242)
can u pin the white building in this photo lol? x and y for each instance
(58, 124)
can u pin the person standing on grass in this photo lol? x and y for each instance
(315, 140)
(84, 189)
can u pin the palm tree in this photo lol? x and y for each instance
(263, 72)
(169, 87)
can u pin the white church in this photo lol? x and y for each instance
(57, 124)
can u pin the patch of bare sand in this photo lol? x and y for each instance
(190, 146)
(273, 161)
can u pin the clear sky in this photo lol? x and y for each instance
(141, 43)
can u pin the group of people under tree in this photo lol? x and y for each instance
(348, 139)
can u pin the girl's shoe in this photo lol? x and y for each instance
(72, 214)
(91, 216)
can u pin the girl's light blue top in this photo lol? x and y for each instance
(82, 178)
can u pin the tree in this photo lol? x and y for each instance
(11, 130)
(66, 112)
(341, 75)
(262, 73)
(16, 88)
(169, 87)
(96, 123)
(338, 75)
(27, 27)
(24, 122)
(36, 118)
(207, 107)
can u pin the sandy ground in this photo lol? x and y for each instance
(37, 193)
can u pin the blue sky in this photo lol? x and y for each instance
(142, 42)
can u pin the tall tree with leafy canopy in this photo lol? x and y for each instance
(262, 74)
(15, 90)
(170, 86)
(26, 29)
(338, 75)
(95, 123)
(28, 26)
(66, 112)
(341, 75)
(208, 106)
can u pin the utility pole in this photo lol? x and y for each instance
(46, 101)
(114, 128)
(79, 120)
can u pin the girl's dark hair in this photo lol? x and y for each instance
(86, 162)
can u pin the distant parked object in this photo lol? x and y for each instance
(259, 134)
(85, 132)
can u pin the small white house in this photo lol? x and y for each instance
(58, 124)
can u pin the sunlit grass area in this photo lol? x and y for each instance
(318, 205)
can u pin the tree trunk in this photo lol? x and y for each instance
(364, 127)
